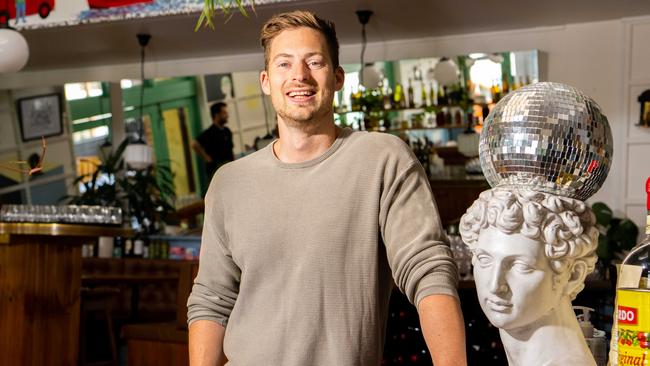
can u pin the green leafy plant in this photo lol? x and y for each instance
(145, 196)
(617, 235)
(96, 191)
(210, 8)
(148, 193)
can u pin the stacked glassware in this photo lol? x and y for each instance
(72, 214)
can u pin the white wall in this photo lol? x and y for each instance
(12, 148)
(589, 56)
(635, 146)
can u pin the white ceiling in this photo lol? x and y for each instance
(173, 37)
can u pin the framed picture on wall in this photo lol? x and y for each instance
(39, 116)
(219, 87)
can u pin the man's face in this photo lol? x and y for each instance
(300, 77)
(221, 118)
(514, 280)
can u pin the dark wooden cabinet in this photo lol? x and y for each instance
(454, 196)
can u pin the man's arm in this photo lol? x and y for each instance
(443, 329)
(206, 343)
(196, 146)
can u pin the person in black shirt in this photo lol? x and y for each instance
(214, 145)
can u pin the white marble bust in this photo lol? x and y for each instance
(531, 254)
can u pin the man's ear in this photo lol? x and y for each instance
(264, 82)
(577, 275)
(339, 76)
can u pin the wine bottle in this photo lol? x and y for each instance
(398, 96)
(411, 101)
(423, 96)
(128, 248)
(505, 84)
(630, 343)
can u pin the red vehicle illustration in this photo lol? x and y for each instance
(40, 7)
(105, 4)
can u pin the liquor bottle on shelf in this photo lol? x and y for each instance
(505, 84)
(388, 98)
(630, 343)
(411, 100)
(118, 247)
(432, 94)
(495, 91)
(423, 96)
(442, 95)
(128, 248)
(146, 249)
(138, 247)
(398, 97)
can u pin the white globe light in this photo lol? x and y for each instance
(371, 77)
(14, 51)
(446, 72)
(138, 155)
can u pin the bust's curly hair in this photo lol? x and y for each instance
(565, 225)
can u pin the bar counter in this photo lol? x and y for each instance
(40, 281)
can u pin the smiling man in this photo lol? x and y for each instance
(303, 239)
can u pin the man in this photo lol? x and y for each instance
(214, 145)
(300, 238)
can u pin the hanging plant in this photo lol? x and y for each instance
(210, 8)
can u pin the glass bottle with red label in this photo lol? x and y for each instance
(631, 332)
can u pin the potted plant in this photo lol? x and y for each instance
(145, 195)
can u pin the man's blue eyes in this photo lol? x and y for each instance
(310, 64)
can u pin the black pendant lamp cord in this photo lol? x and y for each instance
(364, 17)
(363, 48)
(142, 85)
(143, 40)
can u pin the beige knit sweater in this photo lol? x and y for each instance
(298, 260)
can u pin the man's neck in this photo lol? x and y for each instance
(297, 145)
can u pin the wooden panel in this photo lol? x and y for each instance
(39, 301)
(145, 353)
(454, 197)
(185, 282)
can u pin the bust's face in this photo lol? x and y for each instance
(514, 280)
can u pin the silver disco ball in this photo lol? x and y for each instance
(547, 137)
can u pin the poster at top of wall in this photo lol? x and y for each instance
(32, 14)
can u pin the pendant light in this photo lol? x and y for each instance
(14, 50)
(369, 77)
(138, 155)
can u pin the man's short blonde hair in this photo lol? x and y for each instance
(296, 19)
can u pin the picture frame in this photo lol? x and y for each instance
(219, 87)
(40, 116)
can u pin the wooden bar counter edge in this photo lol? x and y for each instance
(40, 284)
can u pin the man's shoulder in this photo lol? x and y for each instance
(245, 165)
(379, 143)
(207, 132)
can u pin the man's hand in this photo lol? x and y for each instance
(206, 343)
(443, 329)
